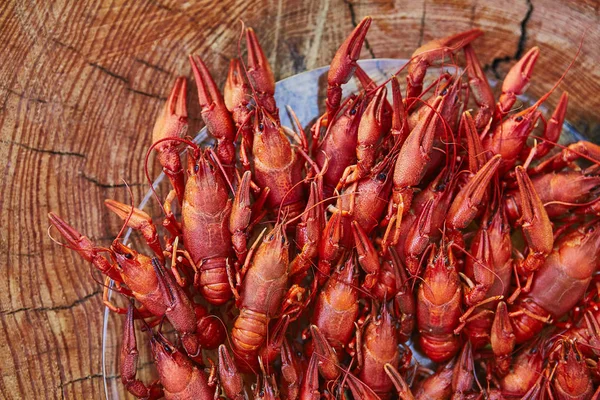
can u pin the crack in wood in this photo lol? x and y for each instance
(355, 24)
(153, 66)
(67, 46)
(47, 151)
(97, 182)
(109, 72)
(55, 308)
(83, 378)
(422, 27)
(520, 44)
(154, 96)
(140, 367)
(298, 59)
(24, 96)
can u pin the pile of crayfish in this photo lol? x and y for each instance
(433, 245)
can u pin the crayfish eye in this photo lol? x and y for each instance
(261, 127)
(196, 168)
(444, 92)
(519, 118)
(440, 187)
(128, 256)
(353, 111)
(381, 176)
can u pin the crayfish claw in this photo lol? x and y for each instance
(215, 115)
(310, 381)
(84, 247)
(140, 221)
(129, 362)
(259, 69)
(229, 376)
(433, 51)
(260, 74)
(169, 126)
(328, 359)
(208, 92)
(536, 225)
(516, 81)
(343, 65)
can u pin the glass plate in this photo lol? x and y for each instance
(305, 94)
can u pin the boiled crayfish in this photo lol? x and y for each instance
(403, 249)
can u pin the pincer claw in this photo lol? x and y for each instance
(236, 88)
(229, 376)
(402, 387)
(171, 123)
(482, 93)
(516, 82)
(84, 247)
(466, 203)
(214, 112)
(537, 228)
(73, 237)
(260, 74)
(367, 255)
(310, 382)
(259, 69)
(373, 125)
(140, 221)
(174, 115)
(129, 363)
(328, 359)
(343, 65)
(433, 51)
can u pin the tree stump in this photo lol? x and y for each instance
(81, 84)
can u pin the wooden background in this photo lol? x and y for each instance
(81, 83)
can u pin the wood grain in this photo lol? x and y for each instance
(81, 83)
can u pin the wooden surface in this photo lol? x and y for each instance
(81, 83)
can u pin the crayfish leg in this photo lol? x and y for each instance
(129, 363)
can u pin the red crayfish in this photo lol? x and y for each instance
(413, 246)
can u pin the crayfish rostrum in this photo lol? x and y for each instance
(415, 245)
